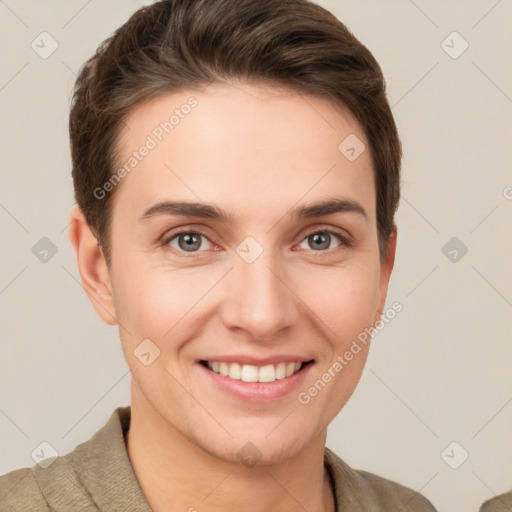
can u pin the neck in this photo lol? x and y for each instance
(178, 475)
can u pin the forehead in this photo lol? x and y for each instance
(243, 145)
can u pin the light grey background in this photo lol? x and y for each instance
(438, 373)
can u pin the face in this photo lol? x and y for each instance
(252, 278)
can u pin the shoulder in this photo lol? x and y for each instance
(392, 494)
(501, 503)
(42, 488)
(19, 491)
(93, 475)
(361, 490)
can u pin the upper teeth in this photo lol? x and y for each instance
(250, 373)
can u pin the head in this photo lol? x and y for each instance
(258, 113)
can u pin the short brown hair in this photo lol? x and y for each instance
(173, 45)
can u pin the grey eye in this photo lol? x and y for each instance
(189, 241)
(321, 240)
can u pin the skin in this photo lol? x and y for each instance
(257, 152)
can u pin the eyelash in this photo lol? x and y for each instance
(345, 242)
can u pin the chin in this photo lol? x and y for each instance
(259, 448)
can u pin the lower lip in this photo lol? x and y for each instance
(257, 391)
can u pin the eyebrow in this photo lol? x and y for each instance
(207, 211)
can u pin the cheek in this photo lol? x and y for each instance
(156, 302)
(345, 299)
(153, 305)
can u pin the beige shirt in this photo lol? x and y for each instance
(98, 476)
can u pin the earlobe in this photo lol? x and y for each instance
(92, 266)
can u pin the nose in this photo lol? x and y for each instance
(259, 298)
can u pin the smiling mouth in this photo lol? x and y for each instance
(252, 373)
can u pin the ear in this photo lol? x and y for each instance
(92, 266)
(386, 267)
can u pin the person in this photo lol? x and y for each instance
(501, 503)
(236, 169)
